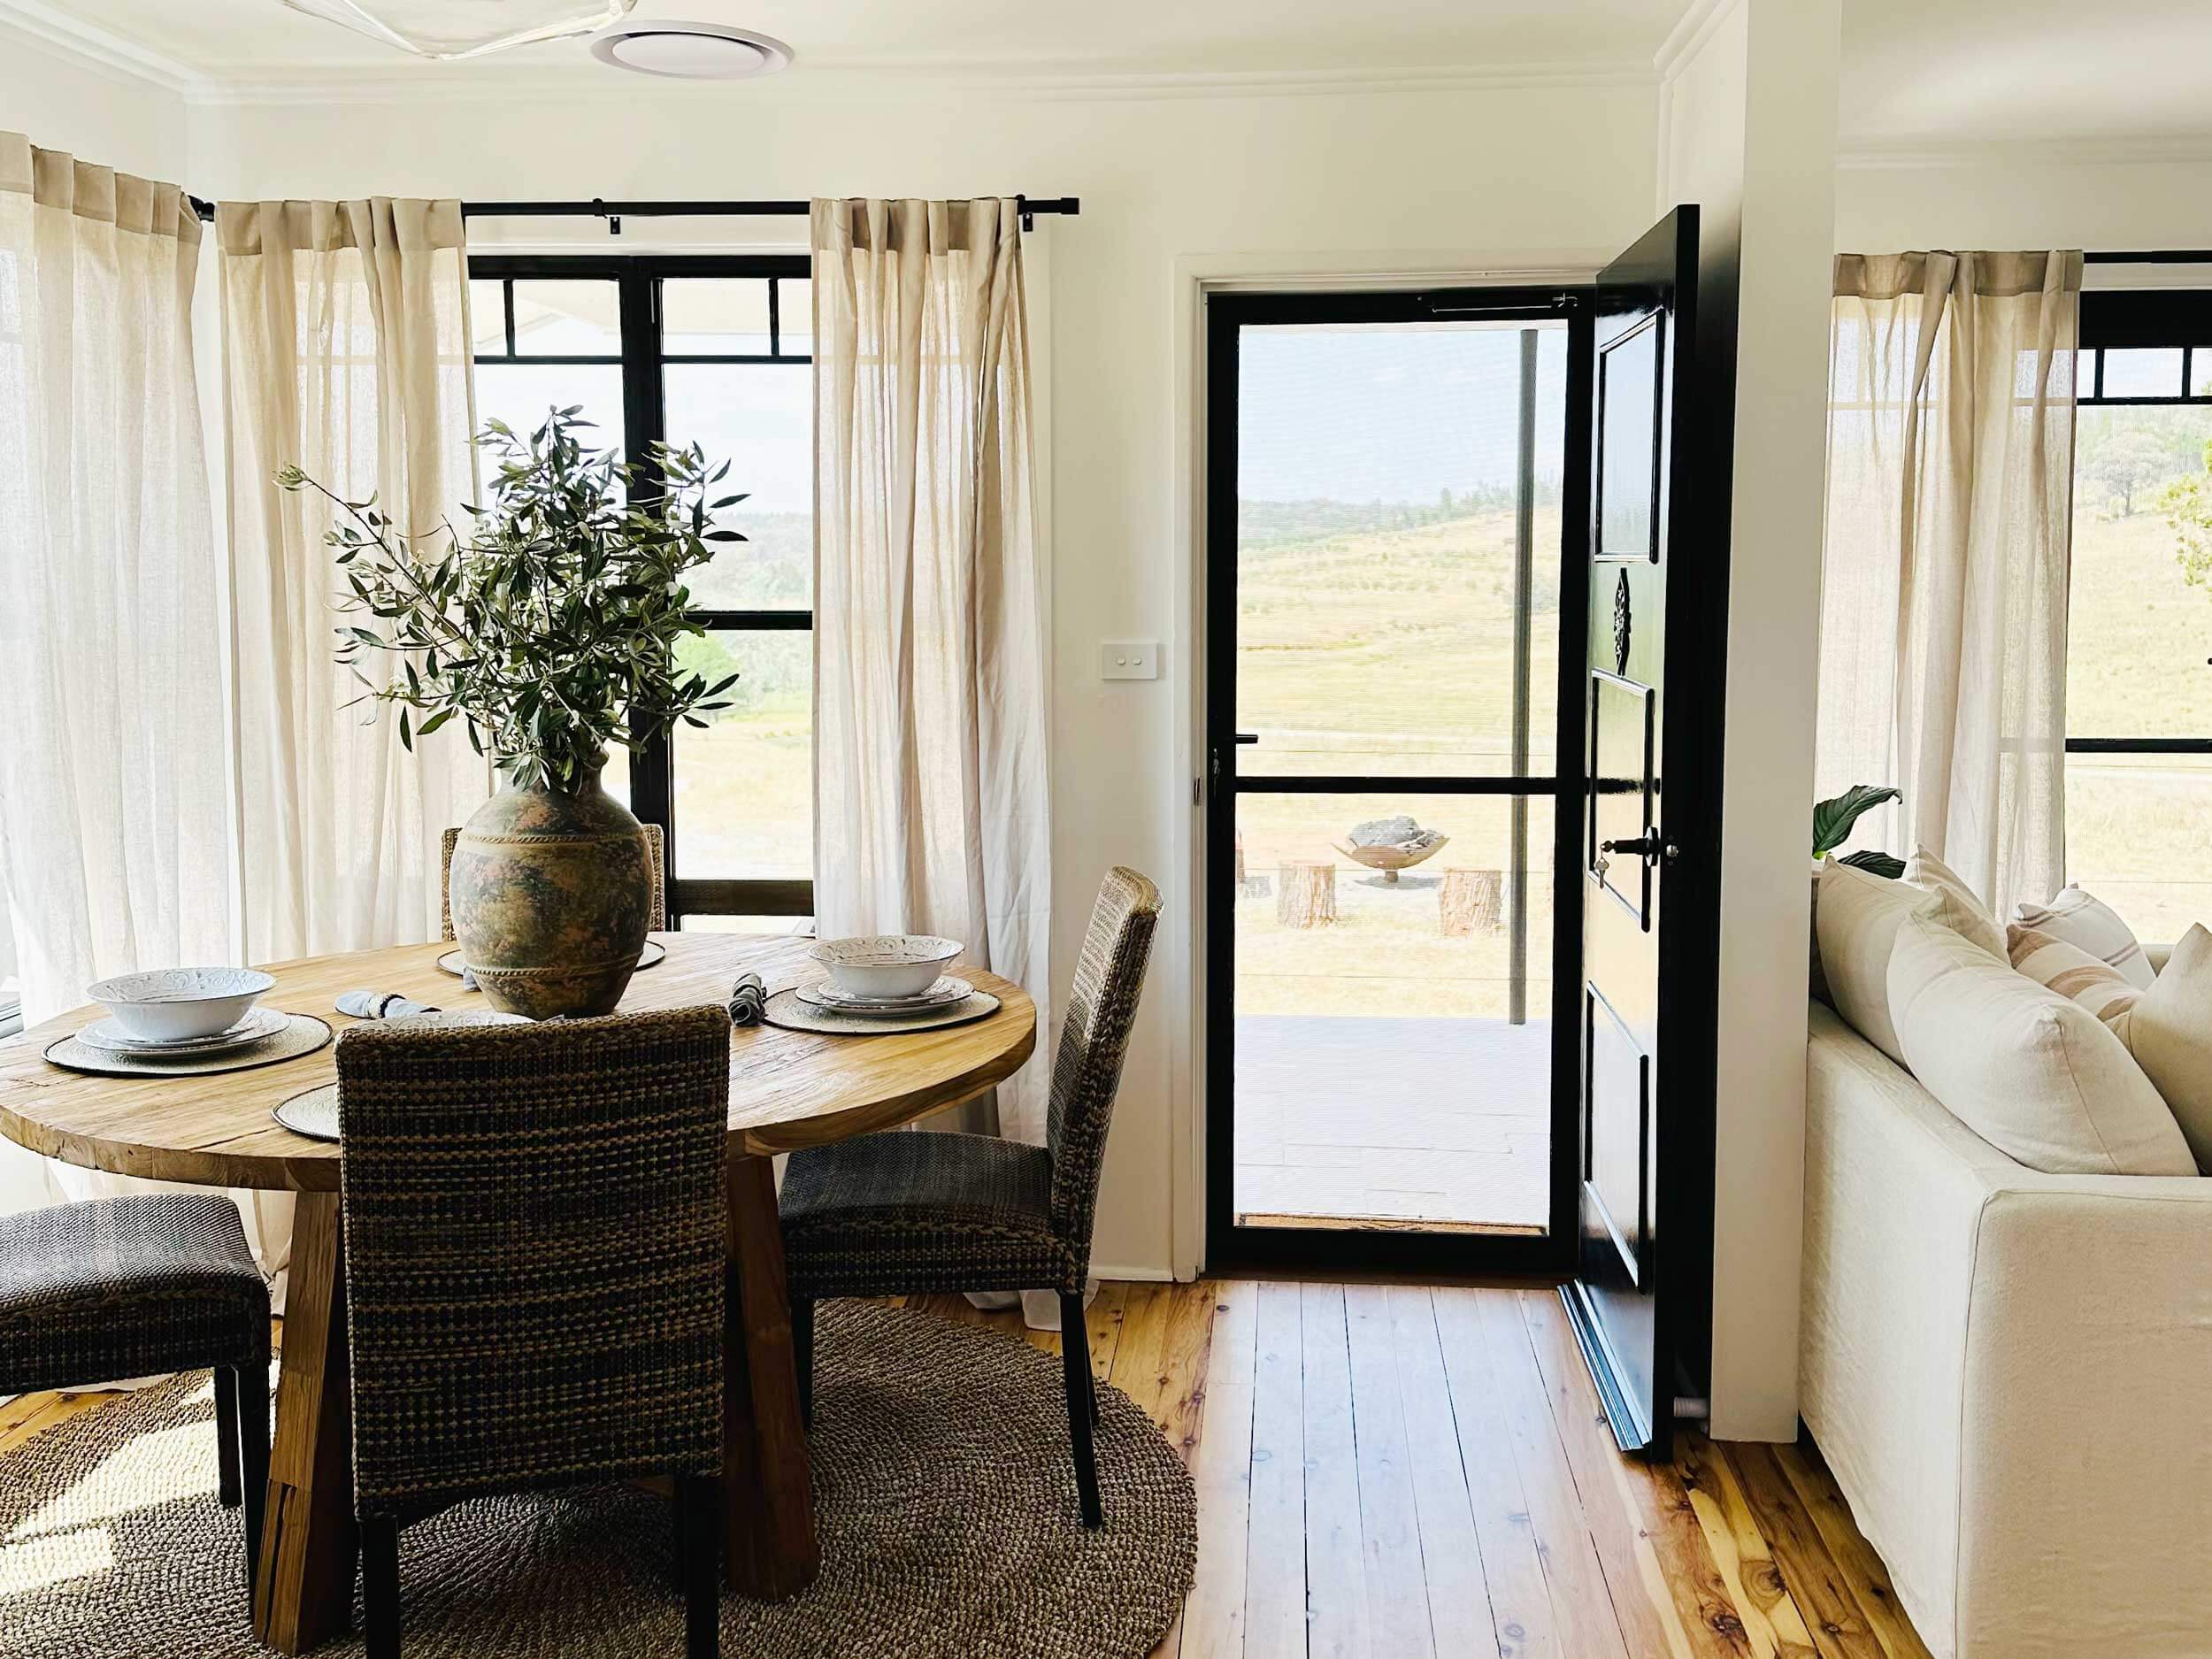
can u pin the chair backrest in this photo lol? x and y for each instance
(1094, 1037)
(656, 859)
(535, 1252)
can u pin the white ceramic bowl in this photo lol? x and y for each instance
(170, 1005)
(884, 966)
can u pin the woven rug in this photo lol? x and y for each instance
(944, 1496)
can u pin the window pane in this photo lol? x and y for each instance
(487, 317)
(2085, 374)
(744, 786)
(566, 319)
(1381, 1075)
(2201, 372)
(796, 926)
(522, 393)
(715, 314)
(794, 316)
(2138, 831)
(2146, 373)
(2139, 632)
(1378, 525)
(760, 419)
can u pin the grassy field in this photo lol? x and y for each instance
(1379, 640)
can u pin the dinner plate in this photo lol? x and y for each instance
(108, 1037)
(826, 993)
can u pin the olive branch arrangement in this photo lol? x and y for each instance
(551, 630)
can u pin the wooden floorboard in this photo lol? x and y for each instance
(1388, 1472)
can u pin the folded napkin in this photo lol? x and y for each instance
(748, 1000)
(381, 1005)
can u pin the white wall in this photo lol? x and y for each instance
(1749, 134)
(2026, 197)
(1471, 176)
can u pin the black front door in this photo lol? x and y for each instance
(1649, 846)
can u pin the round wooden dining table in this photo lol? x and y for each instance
(788, 1090)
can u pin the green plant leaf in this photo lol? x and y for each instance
(1875, 863)
(1832, 818)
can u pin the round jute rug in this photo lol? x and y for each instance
(944, 1495)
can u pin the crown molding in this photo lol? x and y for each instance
(102, 51)
(1687, 39)
(1934, 154)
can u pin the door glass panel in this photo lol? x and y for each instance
(717, 316)
(758, 416)
(568, 319)
(1393, 1038)
(1385, 548)
(744, 804)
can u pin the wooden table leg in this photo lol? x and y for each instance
(303, 1592)
(772, 1550)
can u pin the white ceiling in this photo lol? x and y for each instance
(1915, 73)
(1135, 36)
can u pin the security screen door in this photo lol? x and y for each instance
(1395, 614)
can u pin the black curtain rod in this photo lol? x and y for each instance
(2152, 256)
(613, 213)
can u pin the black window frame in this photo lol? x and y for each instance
(638, 280)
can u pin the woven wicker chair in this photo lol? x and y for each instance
(534, 1259)
(656, 856)
(136, 1285)
(911, 1213)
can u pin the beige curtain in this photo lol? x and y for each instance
(346, 354)
(113, 832)
(1943, 611)
(932, 785)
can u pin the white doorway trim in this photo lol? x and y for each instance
(1194, 278)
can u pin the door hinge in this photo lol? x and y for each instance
(1198, 792)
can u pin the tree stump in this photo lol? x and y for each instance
(1471, 902)
(1308, 895)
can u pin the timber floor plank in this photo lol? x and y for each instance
(1392, 1471)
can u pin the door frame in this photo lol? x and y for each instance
(1539, 295)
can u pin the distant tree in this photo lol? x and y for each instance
(2187, 503)
(2123, 464)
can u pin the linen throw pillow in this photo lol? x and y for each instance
(1975, 924)
(1855, 923)
(2093, 925)
(2031, 1072)
(2167, 1028)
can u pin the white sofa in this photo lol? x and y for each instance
(2010, 1374)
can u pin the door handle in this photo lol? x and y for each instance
(1248, 737)
(1650, 847)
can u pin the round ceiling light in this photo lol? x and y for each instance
(689, 52)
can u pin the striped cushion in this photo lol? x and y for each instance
(2072, 971)
(2094, 926)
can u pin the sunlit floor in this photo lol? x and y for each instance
(1392, 1123)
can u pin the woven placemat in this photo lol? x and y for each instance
(785, 1009)
(651, 956)
(304, 1035)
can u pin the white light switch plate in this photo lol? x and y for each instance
(1129, 659)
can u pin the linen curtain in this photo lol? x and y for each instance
(346, 354)
(1943, 609)
(932, 781)
(113, 813)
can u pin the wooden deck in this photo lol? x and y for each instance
(1443, 1124)
(1399, 1472)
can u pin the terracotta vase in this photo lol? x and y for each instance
(551, 892)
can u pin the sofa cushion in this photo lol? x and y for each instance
(2031, 1072)
(1965, 913)
(2070, 971)
(2093, 926)
(1856, 921)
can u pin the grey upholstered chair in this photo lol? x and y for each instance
(136, 1285)
(909, 1214)
(656, 856)
(534, 1259)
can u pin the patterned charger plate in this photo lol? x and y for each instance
(299, 1034)
(108, 1037)
(649, 957)
(826, 993)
